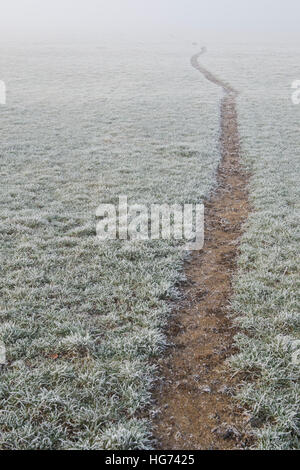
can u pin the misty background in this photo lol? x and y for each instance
(90, 19)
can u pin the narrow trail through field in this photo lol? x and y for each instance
(195, 392)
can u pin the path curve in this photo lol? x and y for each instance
(209, 76)
(194, 394)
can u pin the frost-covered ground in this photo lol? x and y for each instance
(81, 319)
(267, 289)
(267, 285)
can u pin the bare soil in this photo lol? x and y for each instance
(195, 392)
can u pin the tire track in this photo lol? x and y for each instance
(195, 391)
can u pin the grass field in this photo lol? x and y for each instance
(82, 320)
(266, 298)
(267, 285)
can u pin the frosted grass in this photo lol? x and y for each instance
(267, 285)
(81, 320)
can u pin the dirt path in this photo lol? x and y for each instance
(195, 394)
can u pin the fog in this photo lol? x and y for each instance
(87, 19)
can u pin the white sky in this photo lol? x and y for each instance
(90, 18)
